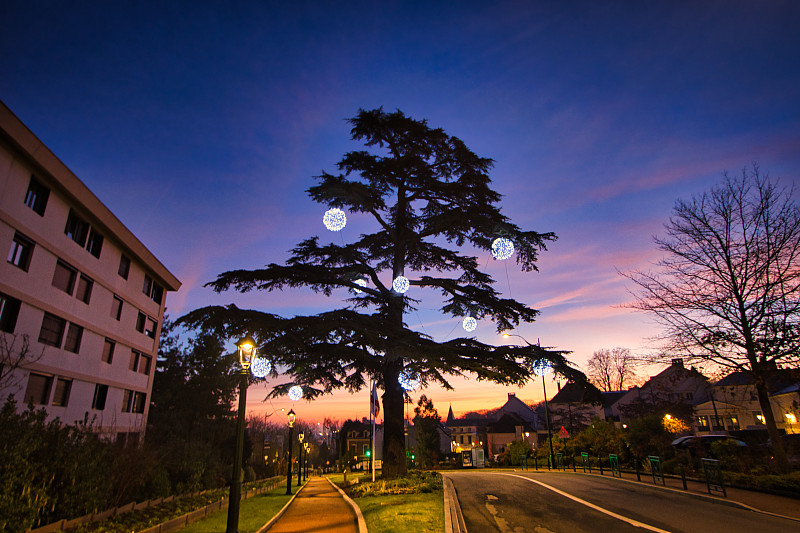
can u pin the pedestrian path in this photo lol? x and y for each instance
(317, 507)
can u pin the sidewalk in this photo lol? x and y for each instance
(317, 507)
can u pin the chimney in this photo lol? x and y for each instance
(677, 362)
(512, 395)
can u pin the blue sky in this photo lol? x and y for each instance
(201, 124)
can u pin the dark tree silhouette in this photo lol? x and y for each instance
(728, 288)
(428, 196)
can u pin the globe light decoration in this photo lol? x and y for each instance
(334, 219)
(469, 323)
(541, 367)
(401, 284)
(295, 393)
(502, 248)
(360, 283)
(408, 382)
(260, 367)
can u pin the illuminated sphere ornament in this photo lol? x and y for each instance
(360, 283)
(541, 367)
(400, 284)
(260, 367)
(408, 382)
(334, 219)
(295, 393)
(469, 323)
(502, 248)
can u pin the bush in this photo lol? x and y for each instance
(415, 483)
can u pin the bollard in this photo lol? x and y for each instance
(600, 462)
(574, 466)
(638, 474)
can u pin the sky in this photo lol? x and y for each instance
(201, 125)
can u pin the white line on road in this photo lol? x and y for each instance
(631, 521)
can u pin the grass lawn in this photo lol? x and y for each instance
(390, 513)
(420, 513)
(253, 513)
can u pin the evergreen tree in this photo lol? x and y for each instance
(429, 196)
(426, 423)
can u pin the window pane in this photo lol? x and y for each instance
(37, 195)
(134, 364)
(61, 395)
(140, 320)
(108, 351)
(9, 311)
(124, 266)
(64, 277)
(138, 402)
(127, 401)
(52, 330)
(150, 329)
(95, 244)
(144, 364)
(99, 400)
(74, 335)
(157, 294)
(84, 292)
(21, 250)
(148, 285)
(38, 390)
(76, 229)
(116, 308)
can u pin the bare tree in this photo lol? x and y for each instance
(612, 369)
(728, 288)
(15, 354)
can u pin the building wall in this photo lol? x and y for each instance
(129, 375)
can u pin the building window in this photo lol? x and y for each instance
(36, 197)
(758, 418)
(150, 328)
(148, 285)
(127, 401)
(702, 423)
(157, 294)
(95, 243)
(84, 292)
(74, 335)
(108, 351)
(733, 423)
(139, 399)
(9, 311)
(52, 330)
(134, 364)
(140, 320)
(124, 266)
(717, 424)
(145, 361)
(116, 308)
(21, 250)
(99, 399)
(38, 390)
(77, 228)
(61, 395)
(64, 277)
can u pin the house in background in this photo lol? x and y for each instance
(80, 288)
(508, 428)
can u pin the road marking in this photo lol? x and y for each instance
(631, 521)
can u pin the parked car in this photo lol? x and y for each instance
(700, 445)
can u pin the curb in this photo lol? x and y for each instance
(362, 525)
(453, 517)
(275, 518)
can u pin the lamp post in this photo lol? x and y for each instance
(307, 446)
(300, 437)
(247, 351)
(541, 370)
(290, 417)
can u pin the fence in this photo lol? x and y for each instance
(174, 524)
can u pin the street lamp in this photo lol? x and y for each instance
(290, 417)
(540, 369)
(247, 351)
(300, 437)
(307, 446)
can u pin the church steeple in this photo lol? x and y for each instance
(450, 417)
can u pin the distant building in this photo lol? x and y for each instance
(87, 295)
(733, 405)
(509, 428)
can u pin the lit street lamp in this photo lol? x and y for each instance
(247, 351)
(307, 446)
(540, 369)
(290, 417)
(300, 437)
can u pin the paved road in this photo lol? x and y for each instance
(552, 502)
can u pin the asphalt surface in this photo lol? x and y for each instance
(555, 502)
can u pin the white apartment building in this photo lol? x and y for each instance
(80, 288)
